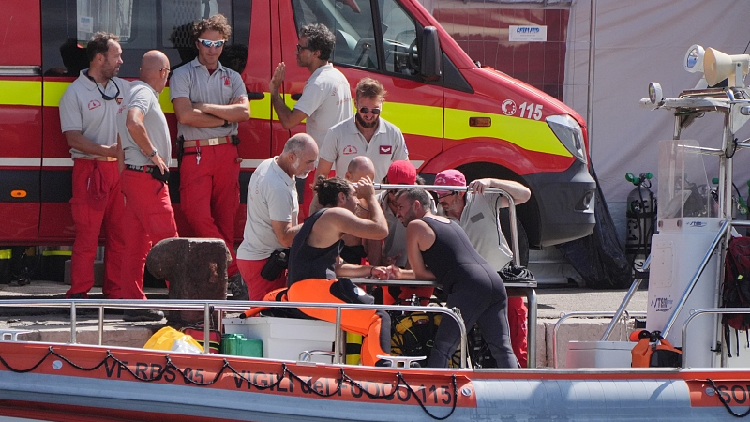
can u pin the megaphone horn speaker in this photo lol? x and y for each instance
(718, 66)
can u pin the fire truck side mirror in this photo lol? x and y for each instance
(431, 57)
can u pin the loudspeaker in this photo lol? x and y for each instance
(718, 66)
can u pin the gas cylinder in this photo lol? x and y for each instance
(640, 215)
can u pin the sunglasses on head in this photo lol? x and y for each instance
(107, 97)
(365, 110)
(209, 43)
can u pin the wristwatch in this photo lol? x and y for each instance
(154, 152)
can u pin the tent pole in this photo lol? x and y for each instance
(590, 102)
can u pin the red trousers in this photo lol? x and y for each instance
(210, 193)
(148, 219)
(366, 322)
(519, 328)
(257, 286)
(96, 199)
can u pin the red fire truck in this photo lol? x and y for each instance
(452, 113)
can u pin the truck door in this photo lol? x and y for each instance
(376, 39)
(20, 121)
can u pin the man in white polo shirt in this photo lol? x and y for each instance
(147, 145)
(209, 100)
(363, 134)
(87, 118)
(272, 211)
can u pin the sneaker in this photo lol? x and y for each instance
(237, 287)
(142, 315)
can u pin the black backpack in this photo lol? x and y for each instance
(736, 289)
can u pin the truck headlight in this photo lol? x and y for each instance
(569, 132)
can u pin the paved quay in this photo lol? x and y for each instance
(54, 325)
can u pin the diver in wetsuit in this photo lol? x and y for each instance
(438, 249)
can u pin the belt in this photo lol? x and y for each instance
(207, 142)
(98, 158)
(142, 169)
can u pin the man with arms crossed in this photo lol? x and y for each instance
(209, 100)
(272, 211)
(147, 145)
(87, 118)
(438, 249)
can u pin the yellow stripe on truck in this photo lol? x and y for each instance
(20, 93)
(532, 135)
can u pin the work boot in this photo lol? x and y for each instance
(237, 287)
(142, 315)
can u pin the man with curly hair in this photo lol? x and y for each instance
(326, 99)
(209, 101)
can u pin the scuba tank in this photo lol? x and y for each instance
(640, 214)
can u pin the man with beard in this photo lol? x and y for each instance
(315, 273)
(326, 99)
(87, 118)
(364, 134)
(438, 249)
(272, 211)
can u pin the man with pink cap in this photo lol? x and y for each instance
(477, 212)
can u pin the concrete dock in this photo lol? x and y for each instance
(54, 325)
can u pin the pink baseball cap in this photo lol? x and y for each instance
(449, 178)
(402, 172)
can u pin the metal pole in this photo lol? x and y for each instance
(337, 344)
(73, 322)
(625, 301)
(100, 324)
(590, 102)
(206, 329)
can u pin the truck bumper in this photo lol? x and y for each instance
(565, 202)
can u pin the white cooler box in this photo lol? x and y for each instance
(599, 354)
(286, 338)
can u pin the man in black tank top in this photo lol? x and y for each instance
(314, 265)
(438, 249)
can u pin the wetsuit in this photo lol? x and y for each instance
(473, 287)
(312, 279)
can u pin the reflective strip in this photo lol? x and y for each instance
(251, 163)
(57, 162)
(529, 134)
(5, 253)
(53, 91)
(413, 119)
(20, 93)
(416, 119)
(57, 253)
(20, 162)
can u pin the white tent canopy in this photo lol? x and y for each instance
(638, 42)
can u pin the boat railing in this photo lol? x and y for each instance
(210, 306)
(713, 311)
(622, 315)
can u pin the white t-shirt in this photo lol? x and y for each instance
(271, 195)
(143, 97)
(344, 142)
(194, 82)
(326, 99)
(482, 226)
(83, 108)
